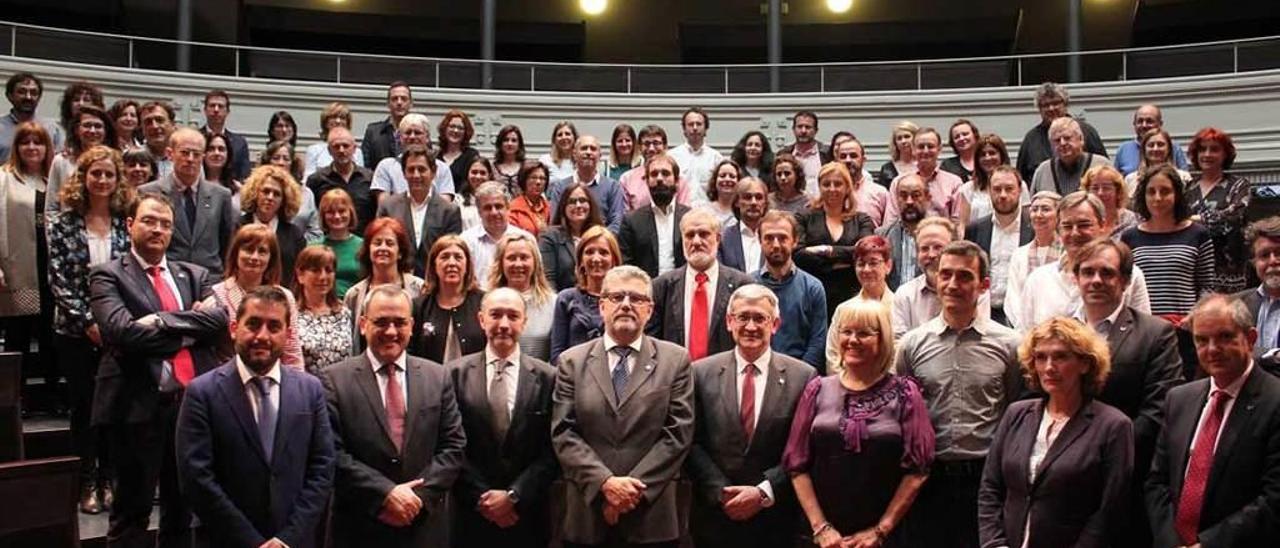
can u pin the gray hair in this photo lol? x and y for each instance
(1052, 90)
(1235, 307)
(502, 292)
(414, 119)
(754, 292)
(1047, 195)
(492, 189)
(1066, 123)
(701, 214)
(744, 182)
(624, 273)
(384, 290)
(1073, 200)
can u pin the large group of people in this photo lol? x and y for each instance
(402, 342)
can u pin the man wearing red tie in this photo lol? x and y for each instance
(1215, 478)
(154, 345)
(690, 302)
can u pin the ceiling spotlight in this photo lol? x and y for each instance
(839, 6)
(593, 7)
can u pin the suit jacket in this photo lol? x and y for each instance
(1145, 364)
(667, 321)
(1243, 490)
(731, 254)
(443, 217)
(368, 464)
(638, 239)
(559, 258)
(894, 233)
(722, 456)
(1081, 490)
(240, 495)
(523, 461)
(379, 142)
(205, 242)
(979, 231)
(1254, 301)
(291, 240)
(133, 354)
(644, 435)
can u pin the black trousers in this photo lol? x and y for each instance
(945, 512)
(78, 361)
(672, 544)
(144, 458)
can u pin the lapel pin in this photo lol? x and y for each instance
(782, 380)
(648, 367)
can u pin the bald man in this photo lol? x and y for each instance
(204, 219)
(607, 192)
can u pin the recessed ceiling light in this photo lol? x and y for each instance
(839, 6)
(593, 7)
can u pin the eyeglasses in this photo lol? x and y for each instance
(746, 318)
(152, 222)
(398, 323)
(618, 297)
(862, 334)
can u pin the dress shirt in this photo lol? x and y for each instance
(510, 374)
(690, 286)
(943, 187)
(419, 213)
(967, 376)
(915, 303)
(389, 177)
(401, 366)
(696, 166)
(811, 164)
(1129, 156)
(1024, 260)
(872, 199)
(1103, 326)
(1232, 390)
(665, 222)
(1004, 241)
(255, 397)
(635, 189)
(907, 251)
(483, 247)
(750, 249)
(610, 344)
(761, 378)
(1268, 323)
(1056, 294)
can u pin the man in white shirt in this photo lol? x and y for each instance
(1002, 232)
(388, 176)
(697, 160)
(492, 203)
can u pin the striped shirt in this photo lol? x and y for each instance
(1178, 265)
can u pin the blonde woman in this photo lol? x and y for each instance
(829, 232)
(1108, 185)
(518, 265)
(901, 151)
(272, 198)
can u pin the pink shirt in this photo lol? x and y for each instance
(635, 190)
(811, 163)
(942, 192)
(873, 200)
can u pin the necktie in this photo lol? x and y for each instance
(189, 206)
(620, 372)
(266, 415)
(394, 397)
(183, 367)
(498, 393)
(1187, 520)
(698, 319)
(747, 406)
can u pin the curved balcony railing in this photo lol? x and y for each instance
(1110, 65)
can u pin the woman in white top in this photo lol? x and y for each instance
(722, 191)
(479, 172)
(1042, 250)
(520, 268)
(560, 160)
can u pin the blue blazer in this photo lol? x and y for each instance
(730, 253)
(238, 495)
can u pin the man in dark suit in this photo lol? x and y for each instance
(689, 303)
(380, 138)
(621, 425)
(424, 214)
(204, 219)
(217, 105)
(1264, 250)
(650, 236)
(804, 126)
(271, 491)
(740, 242)
(343, 173)
(154, 343)
(1002, 232)
(398, 435)
(744, 400)
(1215, 478)
(504, 396)
(1145, 362)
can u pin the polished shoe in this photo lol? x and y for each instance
(106, 496)
(89, 503)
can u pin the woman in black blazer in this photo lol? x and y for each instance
(829, 233)
(446, 318)
(1059, 468)
(270, 195)
(576, 211)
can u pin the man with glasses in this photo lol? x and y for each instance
(622, 424)
(24, 91)
(1070, 161)
(742, 495)
(635, 191)
(801, 297)
(1051, 101)
(912, 199)
(1264, 301)
(1051, 290)
(204, 218)
(398, 434)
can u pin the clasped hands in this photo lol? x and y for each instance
(496, 506)
(621, 495)
(402, 505)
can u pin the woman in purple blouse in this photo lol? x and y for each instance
(861, 443)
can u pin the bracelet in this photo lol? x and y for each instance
(826, 525)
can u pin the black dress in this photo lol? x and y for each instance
(835, 272)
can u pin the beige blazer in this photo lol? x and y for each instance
(20, 293)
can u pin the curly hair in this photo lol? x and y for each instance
(290, 195)
(1080, 340)
(74, 196)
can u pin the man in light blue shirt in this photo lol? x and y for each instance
(23, 91)
(1129, 155)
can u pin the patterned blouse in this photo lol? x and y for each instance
(326, 338)
(229, 294)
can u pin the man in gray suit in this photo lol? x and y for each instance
(204, 219)
(744, 400)
(621, 424)
(397, 434)
(424, 214)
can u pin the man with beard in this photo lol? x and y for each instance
(942, 185)
(1051, 290)
(1063, 171)
(802, 300)
(635, 190)
(999, 234)
(917, 301)
(1145, 362)
(740, 243)
(156, 119)
(1264, 301)
(622, 424)
(492, 204)
(968, 370)
(806, 148)
(204, 217)
(872, 199)
(23, 91)
(690, 302)
(504, 397)
(742, 494)
(650, 235)
(272, 491)
(912, 199)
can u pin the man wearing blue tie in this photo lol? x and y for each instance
(254, 447)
